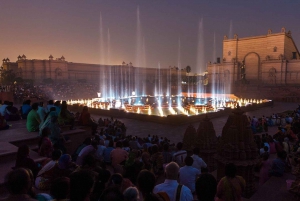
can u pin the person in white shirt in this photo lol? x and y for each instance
(180, 155)
(198, 162)
(188, 174)
(171, 186)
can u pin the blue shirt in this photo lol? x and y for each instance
(106, 154)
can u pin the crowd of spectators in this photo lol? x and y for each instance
(56, 91)
(113, 165)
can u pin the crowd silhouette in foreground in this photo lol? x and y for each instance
(112, 165)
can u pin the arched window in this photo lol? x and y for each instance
(58, 72)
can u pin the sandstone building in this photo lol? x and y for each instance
(271, 59)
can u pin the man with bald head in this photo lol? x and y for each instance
(175, 191)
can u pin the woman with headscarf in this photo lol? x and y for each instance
(45, 176)
(65, 117)
(45, 144)
(86, 120)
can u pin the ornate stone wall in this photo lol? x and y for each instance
(270, 59)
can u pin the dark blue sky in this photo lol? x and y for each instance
(71, 27)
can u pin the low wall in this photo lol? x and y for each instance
(170, 119)
(7, 96)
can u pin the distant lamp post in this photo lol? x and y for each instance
(133, 93)
(99, 94)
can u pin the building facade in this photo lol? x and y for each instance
(271, 59)
(123, 78)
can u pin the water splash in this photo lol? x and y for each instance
(138, 59)
(214, 49)
(103, 87)
(200, 68)
(108, 47)
(179, 80)
(230, 34)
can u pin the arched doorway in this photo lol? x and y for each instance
(252, 66)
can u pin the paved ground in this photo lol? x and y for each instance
(175, 133)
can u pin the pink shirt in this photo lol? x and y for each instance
(118, 155)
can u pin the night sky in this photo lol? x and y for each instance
(38, 28)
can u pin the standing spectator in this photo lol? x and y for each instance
(33, 119)
(146, 183)
(206, 187)
(167, 156)
(172, 187)
(188, 174)
(198, 162)
(180, 155)
(231, 186)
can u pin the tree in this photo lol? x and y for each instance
(7, 77)
(188, 69)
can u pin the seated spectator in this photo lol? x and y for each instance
(65, 117)
(206, 187)
(45, 144)
(57, 107)
(25, 109)
(89, 149)
(107, 152)
(231, 186)
(3, 123)
(278, 164)
(45, 176)
(33, 119)
(60, 188)
(118, 155)
(100, 184)
(24, 161)
(12, 113)
(188, 174)
(198, 162)
(134, 144)
(41, 111)
(3, 108)
(171, 186)
(19, 185)
(111, 194)
(100, 150)
(265, 167)
(131, 194)
(85, 143)
(180, 155)
(49, 106)
(81, 185)
(86, 120)
(116, 181)
(56, 137)
(272, 145)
